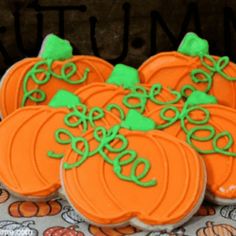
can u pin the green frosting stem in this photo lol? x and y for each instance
(192, 45)
(124, 76)
(136, 121)
(64, 98)
(197, 98)
(55, 48)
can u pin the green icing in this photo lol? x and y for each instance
(201, 123)
(56, 48)
(142, 95)
(79, 116)
(192, 45)
(124, 156)
(64, 98)
(124, 76)
(205, 76)
(116, 107)
(41, 73)
(136, 121)
(198, 98)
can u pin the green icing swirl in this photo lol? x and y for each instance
(211, 67)
(123, 158)
(116, 107)
(45, 67)
(198, 125)
(79, 115)
(141, 94)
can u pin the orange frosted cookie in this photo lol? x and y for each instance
(29, 153)
(191, 68)
(123, 91)
(211, 130)
(34, 81)
(133, 174)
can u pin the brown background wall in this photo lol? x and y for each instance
(117, 30)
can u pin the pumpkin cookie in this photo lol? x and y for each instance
(132, 174)
(193, 68)
(209, 128)
(30, 152)
(123, 91)
(34, 81)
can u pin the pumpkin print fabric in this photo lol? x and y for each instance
(36, 226)
(34, 81)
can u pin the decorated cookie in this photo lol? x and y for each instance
(34, 81)
(123, 91)
(192, 68)
(33, 140)
(210, 129)
(133, 174)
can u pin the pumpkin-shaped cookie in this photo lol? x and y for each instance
(211, 130)
(29, 152)
(192, 68)
(34, 81)
(140, 176)
(123, 91)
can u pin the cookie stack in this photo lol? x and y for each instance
(124, 146)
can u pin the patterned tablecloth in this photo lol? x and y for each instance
(55, 218)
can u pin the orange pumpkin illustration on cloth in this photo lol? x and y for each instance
(34, 81)
(4, 195)
(120, 175)
(63, 231)
(123, 91)
(34, 209)
(192, 68)
(210, 129)
(29, 153)
(206, 210)
(212, 229)
(99, 231)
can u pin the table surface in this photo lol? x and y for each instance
(19, 218)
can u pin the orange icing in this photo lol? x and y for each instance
(173, 69)
(221, 169)
(13, 80)
(95, 191)
(103, 94)
(26, 136)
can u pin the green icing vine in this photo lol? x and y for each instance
(45, 67)
(123, 158)
(80, 115)
(142, 95)
(211, 67)
(198, 125)
(116, 107)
